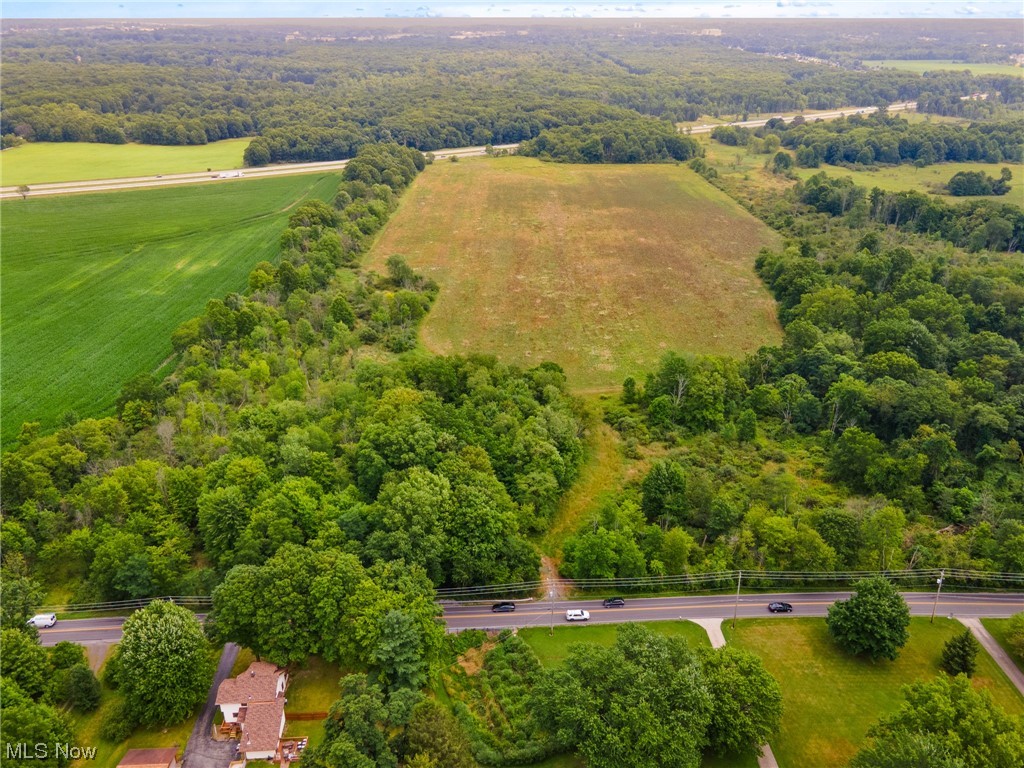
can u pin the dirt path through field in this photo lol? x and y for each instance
(553, 588)
(601, 473)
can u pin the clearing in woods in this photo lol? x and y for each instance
(601, 269)
(948, 65)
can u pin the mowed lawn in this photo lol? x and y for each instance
(46, 162)
(831, 699)
(999, 629)
(553, 647)
(93, 285)
(601, 269)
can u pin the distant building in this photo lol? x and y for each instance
(711, 32)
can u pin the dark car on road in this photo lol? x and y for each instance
(780, 607)
(503, 607)
(613, 602)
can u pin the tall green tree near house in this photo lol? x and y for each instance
(165, 664)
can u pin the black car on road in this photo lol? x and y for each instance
(503, 607)
(780, 607)
(613, 602)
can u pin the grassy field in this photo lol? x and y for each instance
(601, 269)
(902, 178)
(93, 285)
(740, 164)
(600, 477)
(831, 699)
(552, 649)
(47, 162)
(998, 628)
(314, 687)
(932, 65)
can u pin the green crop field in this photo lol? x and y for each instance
(46, 162)
(931, 178)
(601, 269)
(93, 285)
(831, 699)
(934, 65)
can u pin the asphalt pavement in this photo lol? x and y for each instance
(541, 613)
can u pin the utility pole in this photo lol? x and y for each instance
(736, 609)
(938, 591)
(551, 595)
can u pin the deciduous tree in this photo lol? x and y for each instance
(873, 622)
(166, 666)
(746, 701)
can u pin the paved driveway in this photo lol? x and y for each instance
(202, 751)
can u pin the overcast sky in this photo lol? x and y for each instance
(184, 9)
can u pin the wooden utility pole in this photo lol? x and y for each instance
(938, 591)
(736, 609)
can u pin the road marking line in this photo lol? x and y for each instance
(79, 629)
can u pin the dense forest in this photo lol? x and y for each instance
(890, 139)
(975, 225)
(320, 93)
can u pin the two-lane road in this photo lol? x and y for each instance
(528, 614)
(720, 607)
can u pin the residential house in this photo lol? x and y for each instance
(254, 703)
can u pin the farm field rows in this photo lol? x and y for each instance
(46, 162)
(933, 65)
(601, 269)
(93, 285)
(831, 699)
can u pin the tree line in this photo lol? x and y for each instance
(620, 141)
(974, 225)
(324, 99)
(885, 139)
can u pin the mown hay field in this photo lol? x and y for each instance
(91, 286)
(601, 269)
(47, 162)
